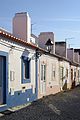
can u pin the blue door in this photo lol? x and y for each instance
(2, 80)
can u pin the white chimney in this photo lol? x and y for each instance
(22, 26)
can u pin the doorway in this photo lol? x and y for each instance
(43, 79)
(2, 80)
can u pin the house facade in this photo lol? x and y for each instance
(48, 75)
(74, 66)
(64, 74)
(64, 65)
(17, 71)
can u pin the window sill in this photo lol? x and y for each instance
(24, 81)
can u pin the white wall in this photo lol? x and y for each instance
(65, 65)
(52, 85)
(14, 65)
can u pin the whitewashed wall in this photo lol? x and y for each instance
(14, 65)
(65, 65)
(52, 86)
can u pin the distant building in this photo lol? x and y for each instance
(70, 54)
(73, 55)
(78, 51)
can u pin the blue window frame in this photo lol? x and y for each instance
(25, 69)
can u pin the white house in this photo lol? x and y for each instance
(48, 75)
(73, 56)
(17, 71)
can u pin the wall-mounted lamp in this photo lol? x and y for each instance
(49, 45)
(38, 53)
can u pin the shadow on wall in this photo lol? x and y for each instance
(65, 85)
(73, 84)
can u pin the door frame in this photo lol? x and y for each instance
(43, 82)
(5, 90)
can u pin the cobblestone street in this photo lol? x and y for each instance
(62, 106)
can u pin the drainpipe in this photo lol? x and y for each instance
(36, 64)
(36, 74)
(38, 54)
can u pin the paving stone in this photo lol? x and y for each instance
(61, 106)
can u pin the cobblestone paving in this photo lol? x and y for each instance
(62, 106)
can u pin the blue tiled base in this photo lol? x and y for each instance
(20, 98)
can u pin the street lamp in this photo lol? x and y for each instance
(49, 45)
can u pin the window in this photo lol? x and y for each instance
(43, 72)
(67, 73)
(61, 73)
(53, 72)
(78, 74)
(12, 75)
(25, 69)
(74, 74)
(71, 74)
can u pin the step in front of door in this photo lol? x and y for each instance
(3, 107)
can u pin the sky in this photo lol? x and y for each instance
(62, 17)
